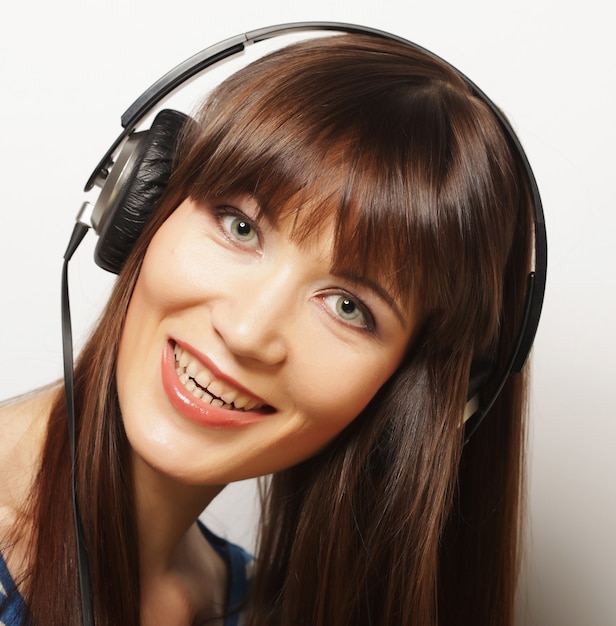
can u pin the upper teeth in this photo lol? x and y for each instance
(205, 386)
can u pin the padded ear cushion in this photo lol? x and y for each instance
(136, 192)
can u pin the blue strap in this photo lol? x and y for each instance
(240, 565)
(11, 603)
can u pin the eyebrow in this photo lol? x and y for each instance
(378, 289)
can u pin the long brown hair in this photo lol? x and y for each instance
(395, 522)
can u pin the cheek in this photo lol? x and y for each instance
(161, 275)
(325, 413)
(139, 327)
(155, 294)
(336, 390)
(180, 270)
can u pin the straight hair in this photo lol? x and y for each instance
(395, 521)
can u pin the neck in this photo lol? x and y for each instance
(182, 578)
(166, 511)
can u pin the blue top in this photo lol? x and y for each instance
(11, 603)
(239, 563)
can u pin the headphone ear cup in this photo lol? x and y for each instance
(133, 188)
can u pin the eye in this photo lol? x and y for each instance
(240, 229)
(350, 310)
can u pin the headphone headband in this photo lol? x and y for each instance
(212, 55)
(199, 62)
(150, 152)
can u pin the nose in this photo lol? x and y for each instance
(254, 316)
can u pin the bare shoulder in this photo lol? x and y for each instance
(23, 424)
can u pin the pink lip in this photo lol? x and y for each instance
(194, 409)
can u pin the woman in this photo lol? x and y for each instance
(346, 234)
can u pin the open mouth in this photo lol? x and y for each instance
(200, 382)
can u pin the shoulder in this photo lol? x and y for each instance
(22, 431)
(23, 423)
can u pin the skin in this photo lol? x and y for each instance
(266, 313)
(22, 428)
(270, 316)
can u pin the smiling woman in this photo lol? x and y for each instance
(335, 245)
(250, 316)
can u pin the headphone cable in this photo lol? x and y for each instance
(79, 232)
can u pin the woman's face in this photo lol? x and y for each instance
(242, 353)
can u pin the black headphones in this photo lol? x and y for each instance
(133, 181)
(135, 170)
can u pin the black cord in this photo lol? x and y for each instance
(77, 236)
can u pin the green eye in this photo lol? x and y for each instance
(241, 229)
(346, 309)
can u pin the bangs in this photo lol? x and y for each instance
(316, 189)
(364, 140)
(311, 150)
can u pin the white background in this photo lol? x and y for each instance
(69, 69)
